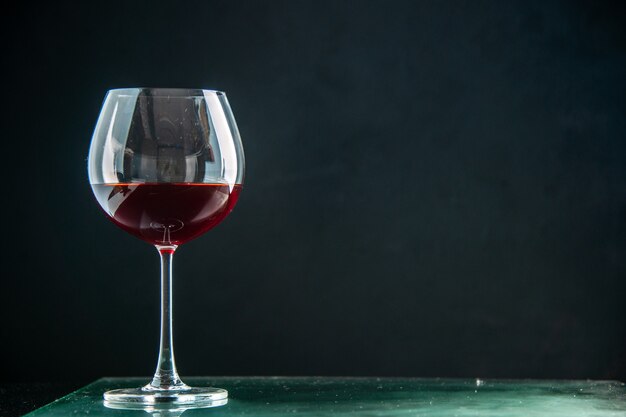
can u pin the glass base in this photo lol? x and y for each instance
(185, 395)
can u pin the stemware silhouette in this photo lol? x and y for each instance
(166, 165)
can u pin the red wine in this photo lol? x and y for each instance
(161, 213)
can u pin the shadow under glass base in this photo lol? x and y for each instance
(181, 395)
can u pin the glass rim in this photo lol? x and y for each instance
(165, 92)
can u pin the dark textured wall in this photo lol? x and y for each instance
(434, 188)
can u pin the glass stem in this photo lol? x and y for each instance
(166, 377)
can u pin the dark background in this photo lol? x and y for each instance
(433, 188)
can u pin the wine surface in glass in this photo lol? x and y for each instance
(167, 213)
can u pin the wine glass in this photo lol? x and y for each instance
(166, 165)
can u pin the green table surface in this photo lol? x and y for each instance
(322, 396)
